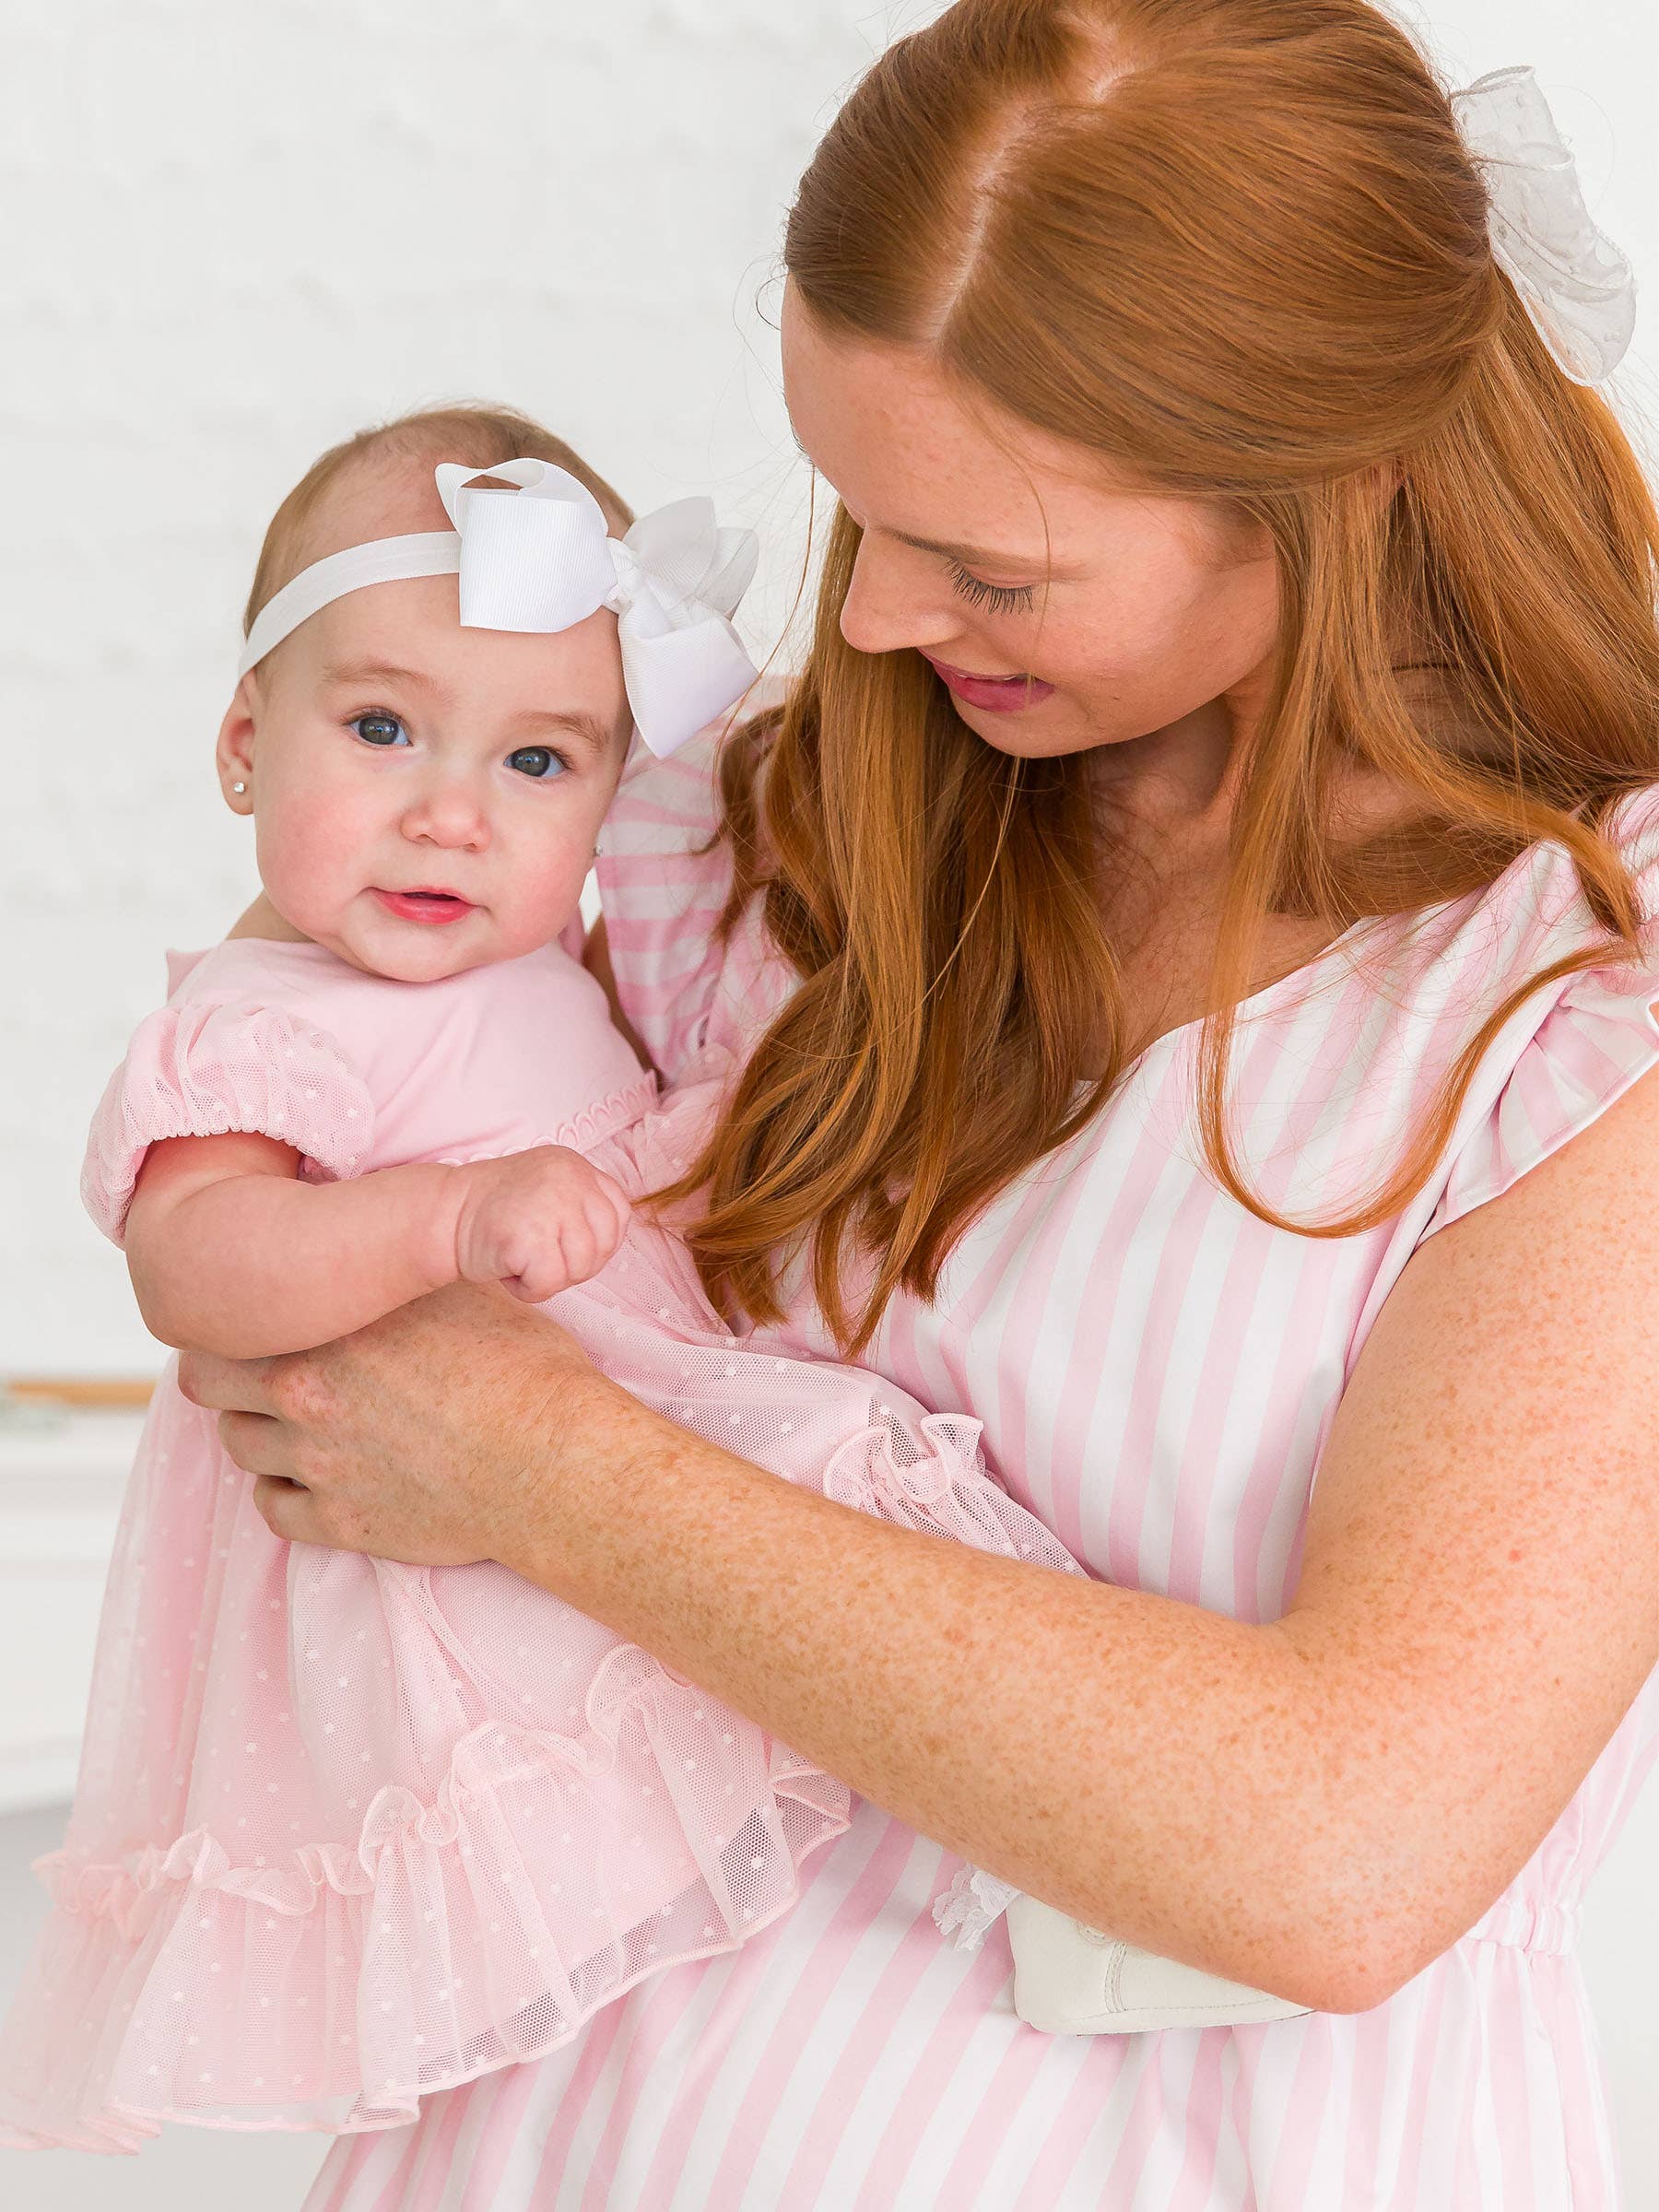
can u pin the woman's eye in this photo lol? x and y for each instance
(539, 761)
(376, 728)
(1003, 599)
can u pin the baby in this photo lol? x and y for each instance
(347, 1831)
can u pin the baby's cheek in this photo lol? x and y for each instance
(547, 878)
(313, 854)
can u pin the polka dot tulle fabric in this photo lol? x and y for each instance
(350, 1830)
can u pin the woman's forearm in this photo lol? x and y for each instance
(253, 1266)
(1145, 1765)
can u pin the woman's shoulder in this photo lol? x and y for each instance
(1538, 910)
(1574, 1042)
(1532, 911)
(1632, 827)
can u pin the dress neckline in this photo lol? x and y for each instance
(1413, 917)
(307, 948)
(1259, 1001)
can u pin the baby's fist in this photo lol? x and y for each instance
(536, 1221)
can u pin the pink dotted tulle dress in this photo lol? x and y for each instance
(347, 1832)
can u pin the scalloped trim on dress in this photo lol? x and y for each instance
(581, 1132)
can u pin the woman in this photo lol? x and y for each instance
(1205, 858)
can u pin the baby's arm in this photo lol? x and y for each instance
(231, 1252)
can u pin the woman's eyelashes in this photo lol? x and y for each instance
(538, 763)
(1001, 598)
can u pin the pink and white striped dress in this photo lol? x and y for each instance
(1156, 1371)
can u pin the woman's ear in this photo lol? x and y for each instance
(233, 754)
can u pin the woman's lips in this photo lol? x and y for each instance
(424, 906)
(1001, 694)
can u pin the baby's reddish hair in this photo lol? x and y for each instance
(485, 436)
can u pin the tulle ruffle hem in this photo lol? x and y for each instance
(547, 1876)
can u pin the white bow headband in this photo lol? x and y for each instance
(541, 559)
(1575, 284)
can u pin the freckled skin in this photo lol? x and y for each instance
(1154, 618)
(1316, 1807)
(1479, 1595)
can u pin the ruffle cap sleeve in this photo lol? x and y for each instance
(664, 877)
(1591, 1035)
(202, 1069)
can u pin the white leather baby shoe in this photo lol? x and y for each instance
(1073, 1980)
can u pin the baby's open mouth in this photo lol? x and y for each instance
(424, 905)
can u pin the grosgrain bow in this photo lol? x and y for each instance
(541, 558)
(1578, 288)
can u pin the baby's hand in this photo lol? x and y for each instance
(536, 1221)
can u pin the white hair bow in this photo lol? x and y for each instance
(1578, 288)
(541, 559)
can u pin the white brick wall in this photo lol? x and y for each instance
(233, 231)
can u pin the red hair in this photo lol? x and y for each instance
(1238, 249)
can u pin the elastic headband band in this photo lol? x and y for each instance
(542, 559)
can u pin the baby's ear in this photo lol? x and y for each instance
(233, 753)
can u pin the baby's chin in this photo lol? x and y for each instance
(420, 961)
(425, 952)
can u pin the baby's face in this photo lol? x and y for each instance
(427, 797)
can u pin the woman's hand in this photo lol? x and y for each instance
(426, 1437)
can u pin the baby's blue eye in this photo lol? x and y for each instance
(539, 761)
(376, 728)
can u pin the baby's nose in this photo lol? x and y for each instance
(449, 815)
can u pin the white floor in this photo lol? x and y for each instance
(186, 2168)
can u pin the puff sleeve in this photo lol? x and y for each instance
(1581, 1048)
(202, 1069)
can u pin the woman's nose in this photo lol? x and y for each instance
(449, 814)
(893, 601)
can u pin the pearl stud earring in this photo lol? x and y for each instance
(238, 787)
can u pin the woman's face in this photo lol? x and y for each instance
(1001, 554)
